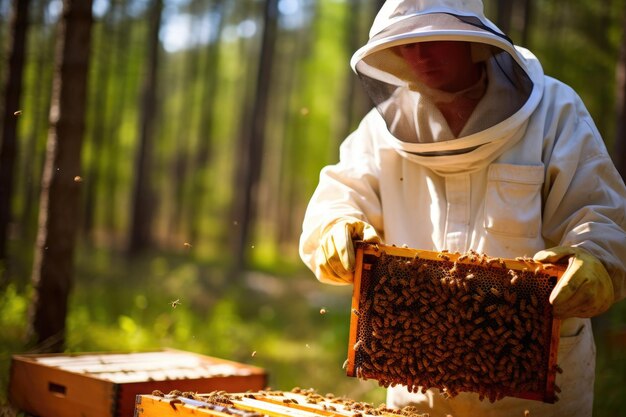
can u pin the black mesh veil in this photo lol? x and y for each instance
(414, 111)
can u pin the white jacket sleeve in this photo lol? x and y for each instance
(585, 197)
(346, 189)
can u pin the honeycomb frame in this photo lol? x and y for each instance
(456, 322)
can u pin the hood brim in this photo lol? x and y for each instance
(377, 57)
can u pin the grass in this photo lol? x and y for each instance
(120, 306)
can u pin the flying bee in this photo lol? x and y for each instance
(175, 303)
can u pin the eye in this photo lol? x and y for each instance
(408, 46)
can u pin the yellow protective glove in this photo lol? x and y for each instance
(335, 256)
(585, 289)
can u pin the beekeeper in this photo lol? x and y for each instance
(471, 146)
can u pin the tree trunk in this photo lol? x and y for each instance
(204, 153)
(60, 193)
(8, 141)
(182, 163)
(527, 22)
(123, 94)
(32, 166)
(620, 138)
(353, 42)
(250, 148)
(505, 12)
(143, 195)
(99, 110)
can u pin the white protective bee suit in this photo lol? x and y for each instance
(528, 171)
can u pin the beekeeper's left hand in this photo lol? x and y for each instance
(585, 289)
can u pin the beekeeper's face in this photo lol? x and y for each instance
(444, 65)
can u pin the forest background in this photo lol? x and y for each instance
(206, 123)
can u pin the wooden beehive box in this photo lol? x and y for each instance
(456, 322)
(106, 384)
(295, 403)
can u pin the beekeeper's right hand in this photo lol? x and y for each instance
(335, 256)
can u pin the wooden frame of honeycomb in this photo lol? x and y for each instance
(456, 322)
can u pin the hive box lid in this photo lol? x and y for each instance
(107, 383)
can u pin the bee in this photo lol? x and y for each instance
(478, 298)
(443, 256)
(174, 402)
(17, 113)
(175, 303)
(253, 354)
(187, 245)
(492, 261)
(322, 311)
(491, 308)
(355, 312)
(78, 178)
(510, 297)
(533, 300)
